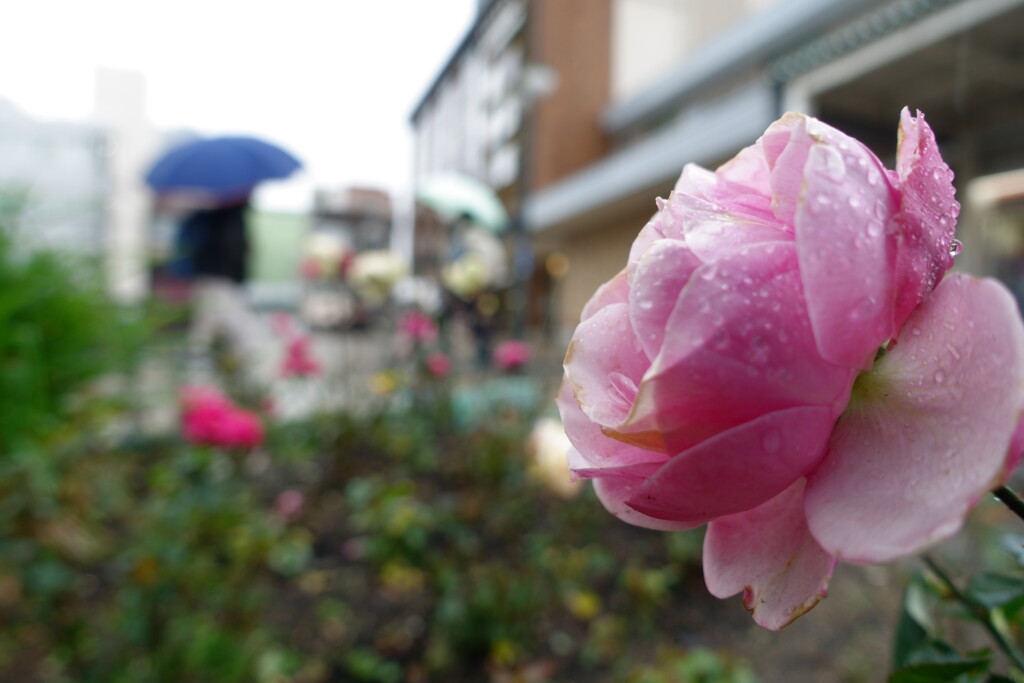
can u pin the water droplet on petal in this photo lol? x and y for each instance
(940, 377)
(831, 164)
(955, 247)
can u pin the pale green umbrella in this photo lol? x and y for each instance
(454, 195)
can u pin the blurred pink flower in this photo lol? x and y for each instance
(283, 325)
(345, 263)
(511, 355)
(289, 504)
(418, 327)
(299, 360)
(310, 269)
(438, 364)
(782, 359)
(210, 418)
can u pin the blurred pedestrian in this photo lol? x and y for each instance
(216, 244)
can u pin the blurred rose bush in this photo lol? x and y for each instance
(417, 328)
(210, 418)
(782, 359)
(299, 360)
(511, 355)
(438, 364)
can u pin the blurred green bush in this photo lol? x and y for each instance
(421, 550)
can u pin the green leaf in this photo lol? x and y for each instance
(1014, 544)
(940, 672)
(995, 590)
(913, 632)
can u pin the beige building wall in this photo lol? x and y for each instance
(650, 37)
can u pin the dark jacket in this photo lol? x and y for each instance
(214, 243)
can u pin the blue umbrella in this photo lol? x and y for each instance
(223, 168)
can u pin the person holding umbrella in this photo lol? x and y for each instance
(216, 176)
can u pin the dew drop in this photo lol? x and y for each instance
(955, 247)
(940, 377)
(831, 164)
(864, 310)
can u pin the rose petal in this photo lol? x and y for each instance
(929, 209)
(749, 465)
(787, 145)
(660, 275)
(739, 188)
(613, 494)
(604, 365)
(768, 554)
(741, 347)
(846, 244)
(593, 453)
(1016, 449)
(928, 430)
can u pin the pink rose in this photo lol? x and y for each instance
(283, 325)
(418, 327)
(299, 360)
(438, 364)
(782, 359)
(210, 418)
(511, 355)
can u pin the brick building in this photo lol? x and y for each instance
(646, 86)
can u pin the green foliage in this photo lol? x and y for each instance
(923, 653)
(58, 331)
(696, 666)
(423, 550)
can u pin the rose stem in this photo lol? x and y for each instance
(979, 611)
(1010, 499)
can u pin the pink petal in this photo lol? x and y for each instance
(738, 469)
(741, 347)
(613, 494)
(739, 188)
(844, 222)
(660, 275)
(929, 211)
(787, 146)
(928, 431)
(604, 365)
(768, 554)
(595, 454)
(1016, 449)
(656, 229)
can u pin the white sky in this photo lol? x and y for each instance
(334, 81)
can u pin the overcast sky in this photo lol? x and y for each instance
(332, 80)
